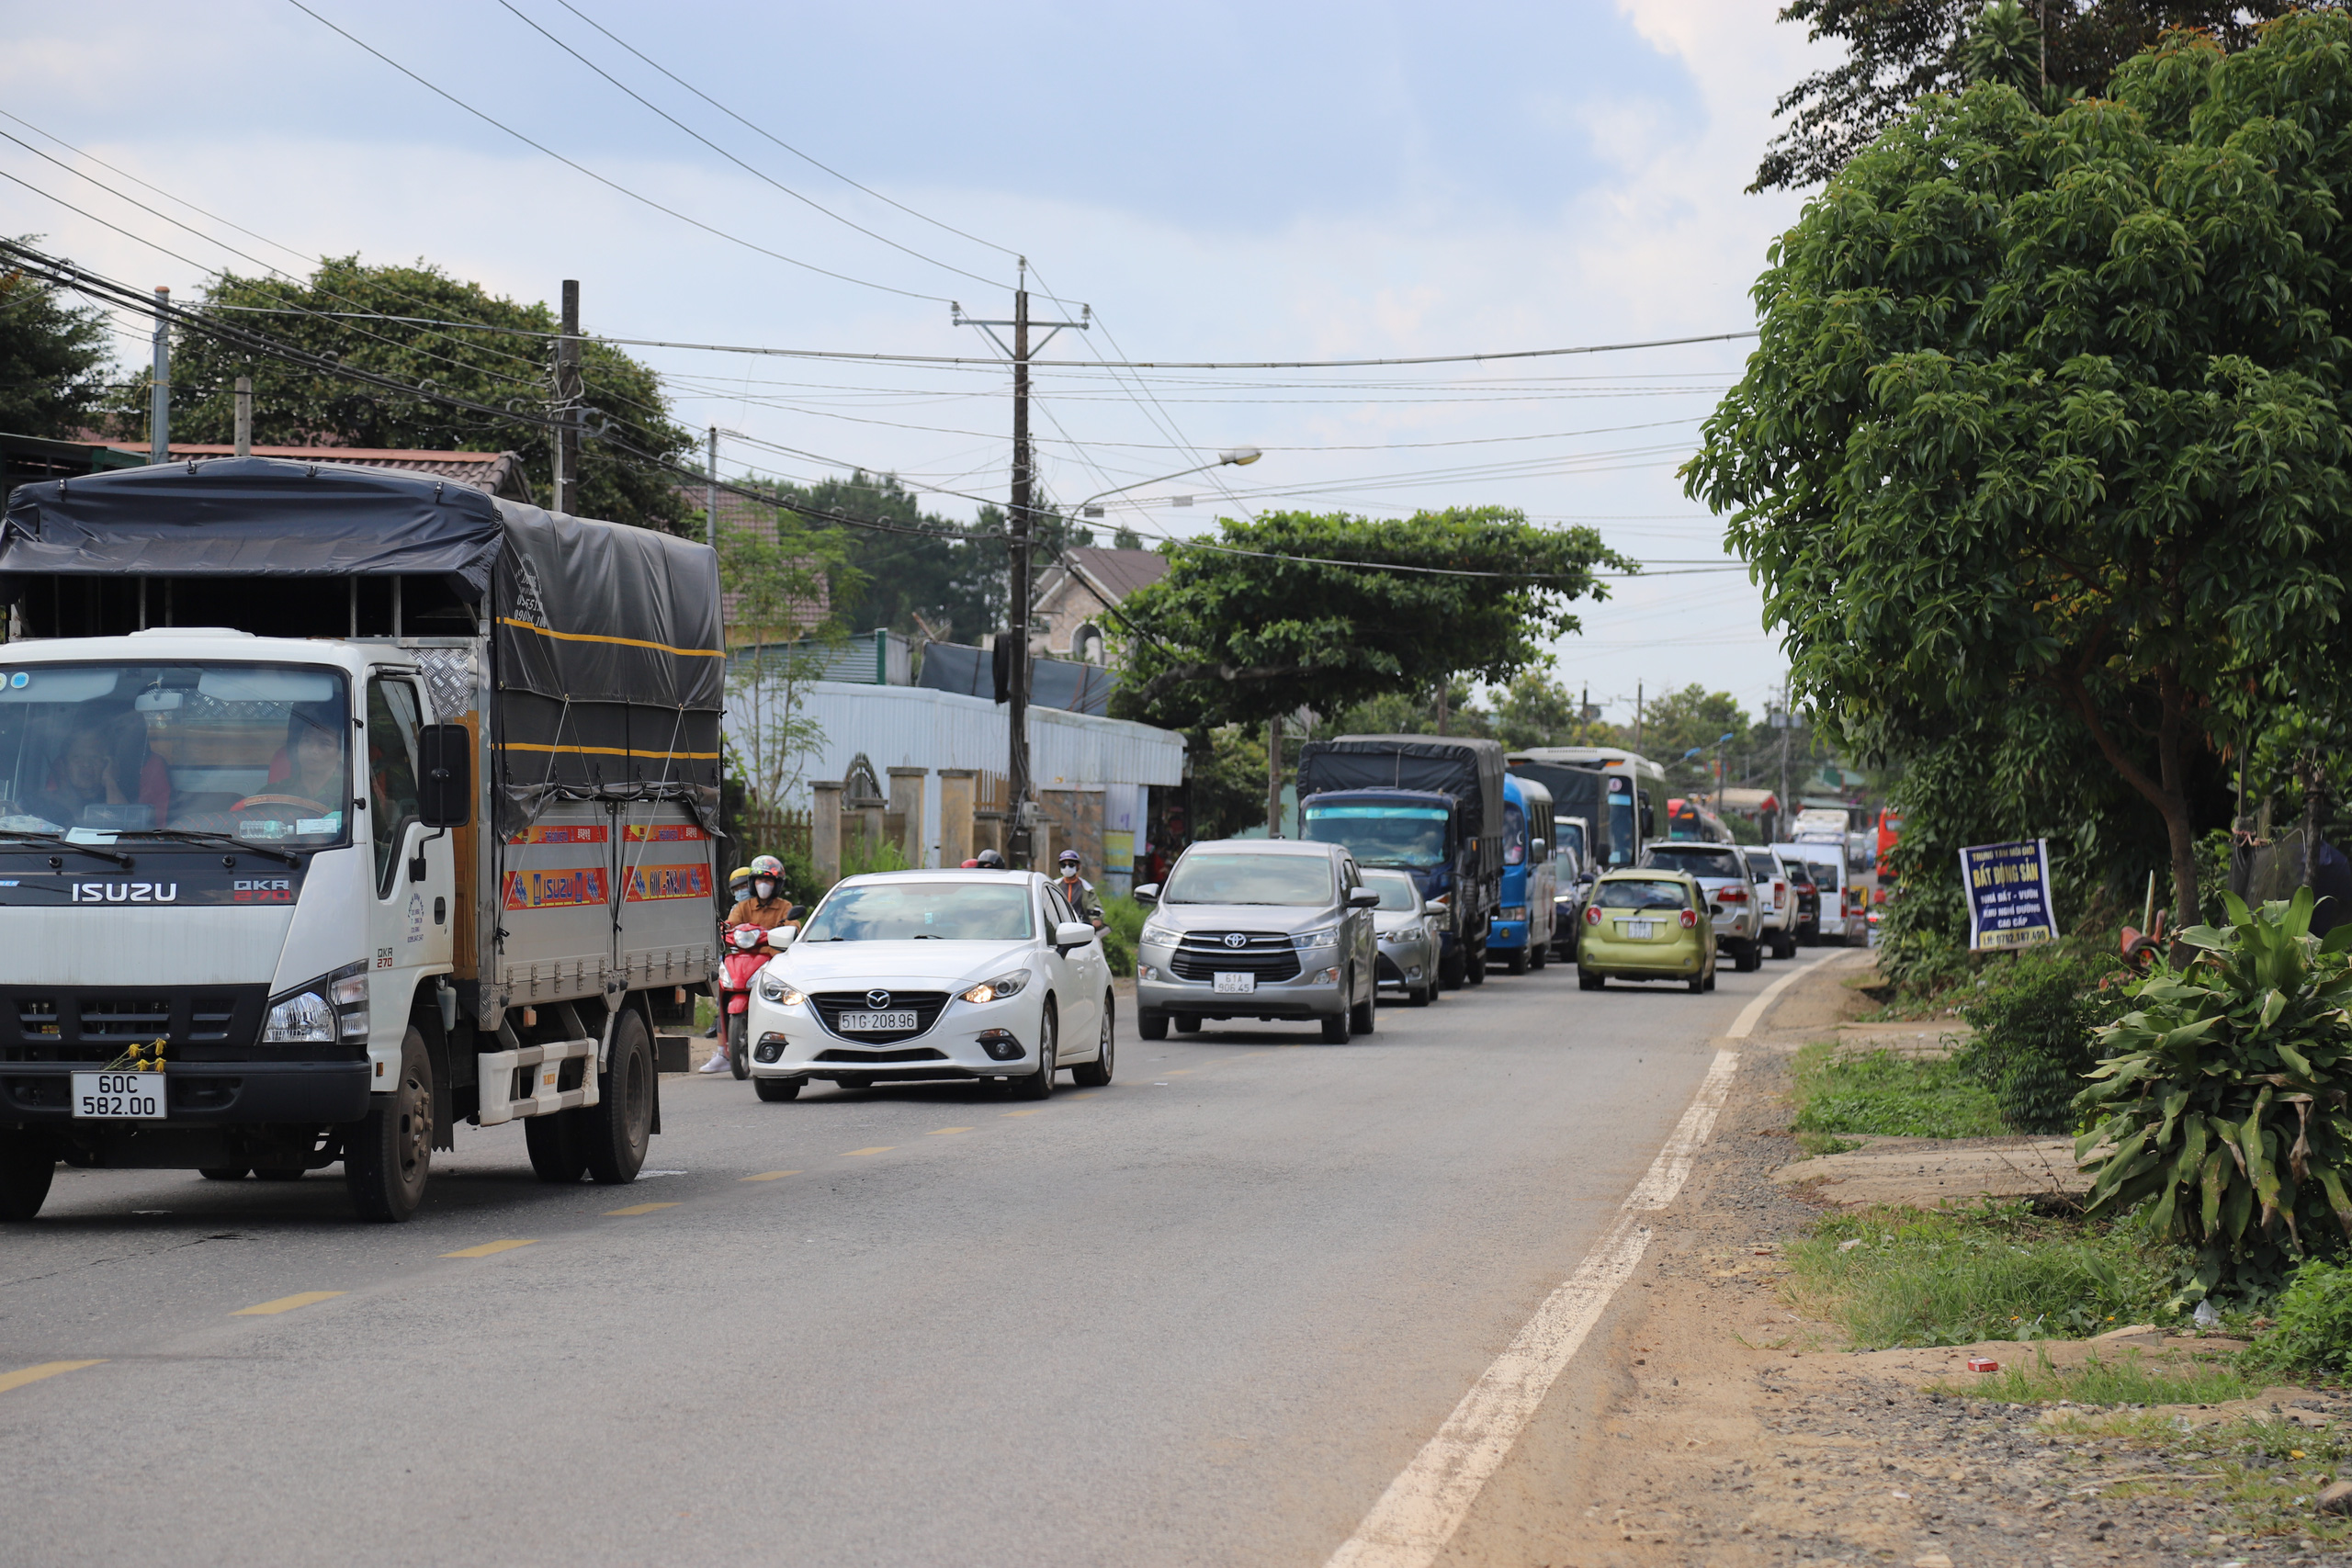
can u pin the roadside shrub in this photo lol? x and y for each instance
(2313, 1337)
(1890, 1095)
(1122, 930)
(2220, 1098)
(2034, 1022)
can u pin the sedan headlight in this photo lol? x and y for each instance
(772, 990)
(1323, 936)
(1161, 936)
(1003, 986)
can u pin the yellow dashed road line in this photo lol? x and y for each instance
(285, 1303)
(942, 1131)
(639, 1209)
(1023, 1112)
(876, 1149)
(24, 1376)
(769, 1176)
(486, 1248)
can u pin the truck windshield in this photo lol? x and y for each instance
(916, 912)
(258, 752)
(1411, 837)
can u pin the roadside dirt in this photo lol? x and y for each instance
(1705, 1423)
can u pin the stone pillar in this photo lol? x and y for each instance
(825, 831)
(1041, 846)
(955, 805)
(906, 798)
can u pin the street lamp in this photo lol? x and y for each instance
(1017, 681)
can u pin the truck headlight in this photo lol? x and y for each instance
(772, 990)
(304, 1019)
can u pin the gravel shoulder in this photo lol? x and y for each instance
(1706, 1422)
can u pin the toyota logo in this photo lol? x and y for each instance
(877, 999)
(1235, 939)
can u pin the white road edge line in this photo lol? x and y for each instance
(1430, 1499)
(1745, 1024)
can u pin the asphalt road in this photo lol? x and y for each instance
(1200, 1316)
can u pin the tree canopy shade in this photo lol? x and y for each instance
(1899, 50)
(294, 406)
(53, 359)
(2051, 407)
(1227, 637)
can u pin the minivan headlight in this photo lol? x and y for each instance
(1161, 936)
(1003, 986)
(1322, 936)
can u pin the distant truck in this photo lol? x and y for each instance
(1616, 792)
(337, 806)
(1429, 805)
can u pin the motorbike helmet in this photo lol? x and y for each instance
(767, 865)
(739, 879)
(988, 860)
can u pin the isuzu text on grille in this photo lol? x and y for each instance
(126, 892)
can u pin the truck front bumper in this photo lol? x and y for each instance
(199, 1094)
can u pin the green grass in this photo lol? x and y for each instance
(1999, 1271)
(1890, 1095)
(2260, 1474)
(2130, 1379)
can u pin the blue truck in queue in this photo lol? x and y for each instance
(1521, 935)
(1428, 804)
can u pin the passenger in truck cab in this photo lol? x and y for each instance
(90, 770)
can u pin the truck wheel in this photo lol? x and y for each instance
(25, 1175)
(776, 1090)
(1151, 1025)
(1517, 963)
(1539, 953)
(388, 1156)
(558, 1150)
(1474, 965)
(618, 1128)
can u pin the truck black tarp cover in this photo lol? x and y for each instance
(604, 639)
(1465, 767)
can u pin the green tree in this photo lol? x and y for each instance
(1898, 51)
(294, 406)
(773, 573)
(2047, 407)
(54, 359)
(1262, 624)
(1228, 782)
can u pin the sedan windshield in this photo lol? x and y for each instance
(916, 912)
(1249, 879)
(1695, 861)
(1395, 889)
(1632, 893)
(254, 751)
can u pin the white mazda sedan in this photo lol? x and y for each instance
(906, 975)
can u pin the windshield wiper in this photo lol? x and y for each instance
(115, 855)
(204, 836)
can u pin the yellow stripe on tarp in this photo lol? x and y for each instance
(610, 751)
(617, 642)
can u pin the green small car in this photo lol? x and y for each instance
(1647, 925)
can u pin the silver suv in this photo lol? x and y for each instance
(1722, 874)
(1264, 929)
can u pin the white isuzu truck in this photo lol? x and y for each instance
(340, 805)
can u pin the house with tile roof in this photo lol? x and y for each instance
(1073, 601)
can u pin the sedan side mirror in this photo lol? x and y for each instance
(1072, 933)
(1147, 895)
(781, 936)
(1364, 898)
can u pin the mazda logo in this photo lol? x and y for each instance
(1235, 939)
(877, 999)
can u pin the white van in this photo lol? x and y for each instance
(1845, 899)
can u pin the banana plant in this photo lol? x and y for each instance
(2224, 1097)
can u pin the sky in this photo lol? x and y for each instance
(1210, 181)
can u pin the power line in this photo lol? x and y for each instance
(610, 183)
(730, 157)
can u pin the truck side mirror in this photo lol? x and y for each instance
(444, 788)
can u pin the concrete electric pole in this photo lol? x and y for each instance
(159, 409)
(567, 403)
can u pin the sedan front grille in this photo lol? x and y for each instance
(1270, 956)
(926, 1006)
(910, 1054)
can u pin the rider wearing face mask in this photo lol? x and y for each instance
(765, 905)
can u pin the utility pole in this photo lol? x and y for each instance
(1584, 708)
(710, 531)
(567, 403)
(1637, 719)
(159, 415)
(1017, 531)
(1274, 777)
(244, 436)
